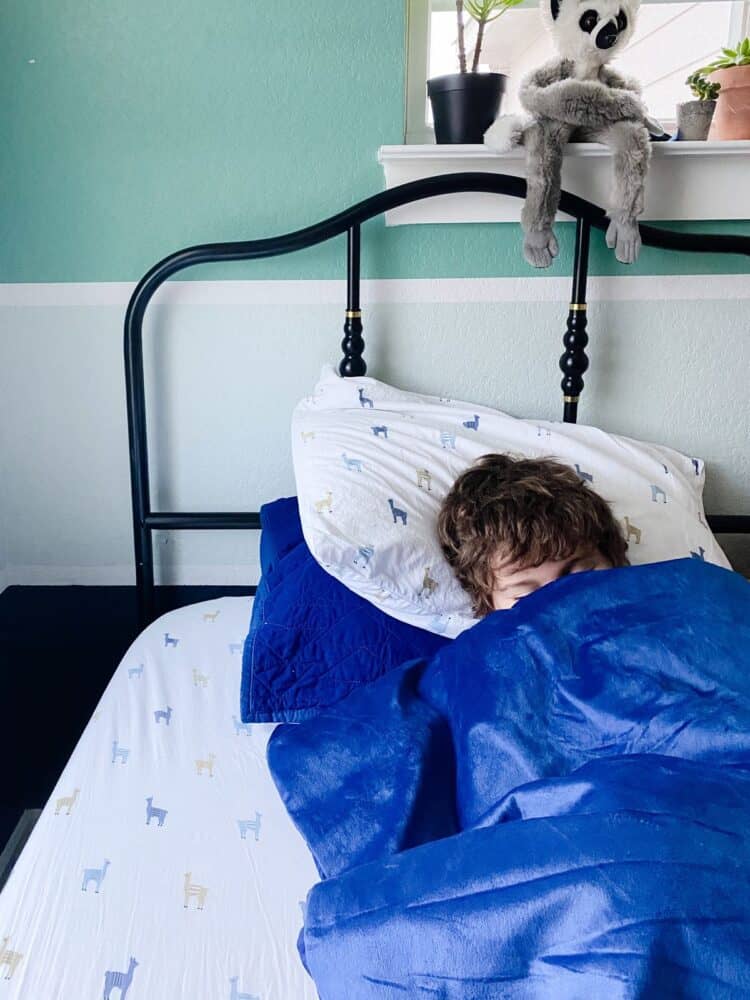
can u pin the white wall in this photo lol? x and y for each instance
(226, 362)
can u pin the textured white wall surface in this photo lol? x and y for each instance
(227, 361)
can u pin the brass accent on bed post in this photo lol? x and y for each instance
(574, 362)
(353, 344)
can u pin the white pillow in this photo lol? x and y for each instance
(373, 464)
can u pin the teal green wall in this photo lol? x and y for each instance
(143, 126)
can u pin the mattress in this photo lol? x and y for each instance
(164, 864)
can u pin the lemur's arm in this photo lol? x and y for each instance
(611, 78)
(549, 92)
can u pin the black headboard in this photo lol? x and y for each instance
(573, 361)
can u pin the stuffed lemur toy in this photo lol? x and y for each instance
(578, 98)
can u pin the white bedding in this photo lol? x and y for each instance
(209, 903)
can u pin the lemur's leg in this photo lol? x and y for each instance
(631, 149)
(544, 140)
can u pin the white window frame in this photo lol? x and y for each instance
(416, 129)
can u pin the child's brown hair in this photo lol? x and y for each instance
(530, 510)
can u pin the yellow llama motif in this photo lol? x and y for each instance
(10, 959)
(198, 891)
(631, 529)
(67, 802)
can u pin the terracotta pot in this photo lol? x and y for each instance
(732, 116)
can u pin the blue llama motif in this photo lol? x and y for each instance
(135, 671)
(119, 752)
(397, 513)
(153, 813)
(364, 400)
(250, 824)
(119, 980)
(235, 647)
(473, 425)
(448, 440)
(95, 875)
(656, 492)
(353, 464)
(234, 993)
(363, 556)
(696, 466)
(170, 640)
(241, 727)
(440, 623)
(585, 477)
(380, 430)
(700, 554)
(163, 713)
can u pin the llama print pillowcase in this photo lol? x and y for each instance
(373, 463)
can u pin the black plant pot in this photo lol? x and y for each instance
(464, 105)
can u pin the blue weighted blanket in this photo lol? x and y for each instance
(554, 806)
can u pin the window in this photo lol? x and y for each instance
(672, 40)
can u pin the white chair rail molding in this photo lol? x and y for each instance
(687, 180)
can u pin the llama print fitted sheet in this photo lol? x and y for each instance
(164, 864)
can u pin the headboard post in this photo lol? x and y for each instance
(352, 345)
(574, 362)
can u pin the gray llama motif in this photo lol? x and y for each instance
(234, 993)
(119, 753)
(353, 464)
(656, 492)
(163, 713)
(448, 440)
(241, 727)
(363, 556)
(119, 980)
(249, 824)
(235, 647)
(135, 671)
(153, 813)
(585, 477)
(95, 875)
(473, 424)
(380, 431)
(364, 400)
(170, 640)
(424, 478)
(397, 513)
(9, 958)
(700, 554)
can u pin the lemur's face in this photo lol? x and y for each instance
(592, 31)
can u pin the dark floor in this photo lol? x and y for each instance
(58, 649)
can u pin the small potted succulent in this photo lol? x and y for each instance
(694, 117)
(465, 104)
(732, 72)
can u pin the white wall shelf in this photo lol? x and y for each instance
(687, 180)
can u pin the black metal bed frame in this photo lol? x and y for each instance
(573, 361)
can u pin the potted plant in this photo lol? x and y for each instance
(465, 104)
(694, 117)
(732, 72)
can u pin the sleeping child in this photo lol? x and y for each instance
(509, 526)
